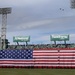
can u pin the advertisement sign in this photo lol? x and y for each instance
(59, 37)
(21, 38)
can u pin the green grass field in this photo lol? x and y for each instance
(12, 71)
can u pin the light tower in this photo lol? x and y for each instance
(73, 4)
(4, 12)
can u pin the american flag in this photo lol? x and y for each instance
(40, 57)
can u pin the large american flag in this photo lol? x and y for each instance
(40, 57)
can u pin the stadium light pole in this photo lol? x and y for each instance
(73, 4)
(4, 12)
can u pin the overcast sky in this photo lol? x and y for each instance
(39, 19)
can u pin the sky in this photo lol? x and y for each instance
(39, 19)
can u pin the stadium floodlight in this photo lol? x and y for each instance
(73, 4)
(4, 12)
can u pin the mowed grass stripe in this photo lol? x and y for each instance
(11, 71)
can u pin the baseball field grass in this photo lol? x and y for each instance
(23, 71)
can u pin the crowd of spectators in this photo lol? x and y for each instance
(41, 46)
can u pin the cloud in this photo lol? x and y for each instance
(64, 23)
(21, 3)
(42, 39)
(33, 24)
(72, 38)
(39, 18)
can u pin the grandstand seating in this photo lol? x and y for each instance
(41, 46)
